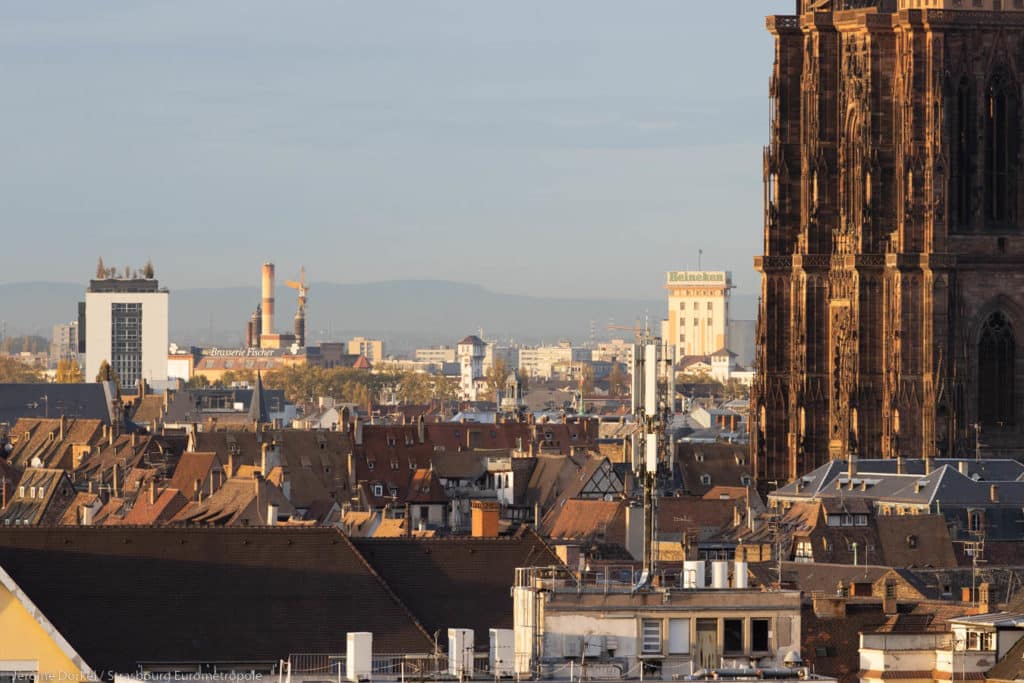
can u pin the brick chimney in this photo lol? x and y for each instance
(485, 518)
(993, 493)
(152, 491)
(421, 429)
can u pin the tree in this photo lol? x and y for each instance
(68, 372)
(494, 380)
(108, 374)
(197, 382)
(617, 381)
(13, 371)
(587, 375)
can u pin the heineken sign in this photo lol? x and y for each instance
(697, 277)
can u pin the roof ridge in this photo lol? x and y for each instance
(384, 584)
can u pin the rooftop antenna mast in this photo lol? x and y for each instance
(652, 370)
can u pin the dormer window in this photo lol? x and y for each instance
(378, 490)
(911, 541)
(391, 441)
(394, 463)
(370, 464)
(412, 464)
(705, 479)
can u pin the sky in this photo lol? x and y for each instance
(570, 148)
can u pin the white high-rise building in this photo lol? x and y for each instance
(698, 311)
(125, 323)
(471, 351)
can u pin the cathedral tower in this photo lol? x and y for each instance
(892, 299)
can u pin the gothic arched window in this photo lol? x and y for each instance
(996, 369)
(1002, 137)
(961, 177)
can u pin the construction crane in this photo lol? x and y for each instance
(639, 332)
(302, 286)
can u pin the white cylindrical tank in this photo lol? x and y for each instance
(739, 575)
(460, 652)
(720, 574)
(359, 656)
(693, 574)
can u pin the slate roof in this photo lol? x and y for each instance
(463, 582)
(88, 400)
(170, 594)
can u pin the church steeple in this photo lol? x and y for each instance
(258, 404)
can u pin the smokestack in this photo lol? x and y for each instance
(268, 299)
(300, 327)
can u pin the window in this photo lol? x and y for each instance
(394, 463)
(678, 636)
(650, 636)
(709, 308)
(709, 321)
(412, 464)
(732, 634)
(996, 367)
(682, 305)
(378, 490)
(370, 464)
(745, 480)
(804, 552)
(759, 635)
(1001, 143)
(682, 337)
(424, 512)
(911, 541)
(860, 520)
(695, 321)
(705, 479)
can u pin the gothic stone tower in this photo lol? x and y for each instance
(892, 301)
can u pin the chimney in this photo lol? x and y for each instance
(851, 465)
(63, 424)
(167, 399)
(993, 493)
(421, 429)
(110, 436)
(197, 491)
(231, 465)
(87, 513)
(358, 436)
(408, 520)
(133, 440)
(351, 472)
(927, 465)
(962, 468)
(115, 486)
(889, 605)
(268, 298)
(485, 518)
(271, 514)
(265, 458)
(152, 491)
(899, 464)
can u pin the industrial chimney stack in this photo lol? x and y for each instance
(268, 299)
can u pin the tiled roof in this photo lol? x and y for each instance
(193, 467)
(40, 438)
(167, 503)
(463, 581)
(205, 594)
(1011, 666)
(586, 520)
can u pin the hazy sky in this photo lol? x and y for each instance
(541, 147)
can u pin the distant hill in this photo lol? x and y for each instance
(406, 313)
